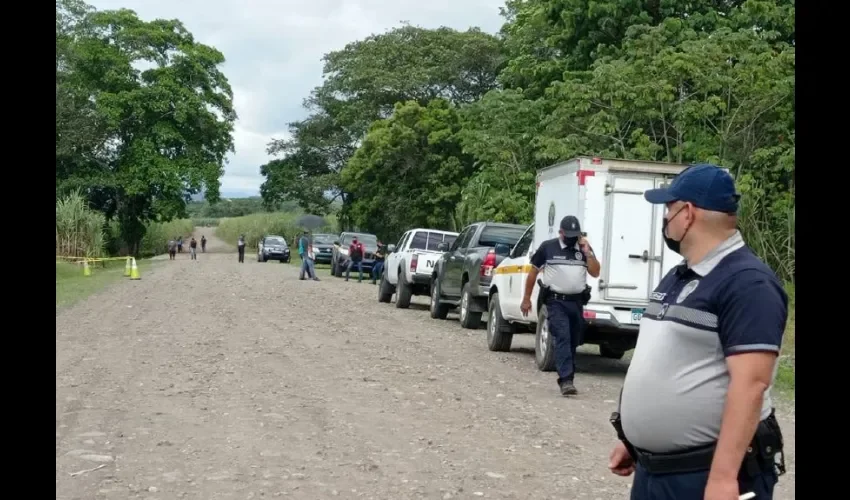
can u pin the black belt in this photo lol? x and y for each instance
(574, 297)
(691, 460)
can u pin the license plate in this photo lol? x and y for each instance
(637, 314)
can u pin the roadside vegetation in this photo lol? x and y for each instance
(72, 286)
(284, 224)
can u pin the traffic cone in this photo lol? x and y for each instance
(134, 271)
(127, 268)
(86, 269)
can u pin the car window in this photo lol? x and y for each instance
(456, 243)
(524, 243)
(274, 241)
(434, 240)
(493, 235)
(402, 240)
(465, 237)
(419, 241)
(344, 241)
(323, 239)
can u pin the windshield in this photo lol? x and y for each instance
(493, 235)
(370, 240)
(427, 240)
(324, 239)
(275, 241)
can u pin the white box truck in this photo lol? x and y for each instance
(625, 233)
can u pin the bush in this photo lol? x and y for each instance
(158, 233)
(79, 229)
(205, 221)
(255, 226)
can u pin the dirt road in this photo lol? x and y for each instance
(213, 379)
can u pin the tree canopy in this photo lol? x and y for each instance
(144, 115)
(439, 127)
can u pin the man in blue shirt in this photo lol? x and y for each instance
(695, 418)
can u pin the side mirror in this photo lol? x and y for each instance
(502, 249)
(390, 248)
(443, 247)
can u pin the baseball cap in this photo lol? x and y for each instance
(708, 187)
(570, 226)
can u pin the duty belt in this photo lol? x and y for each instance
(692, 460)
(571, 297)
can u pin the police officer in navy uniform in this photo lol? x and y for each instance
(695, 419)
(566, 261)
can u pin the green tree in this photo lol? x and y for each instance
(409, 170)
(363, 82)
(153, 137)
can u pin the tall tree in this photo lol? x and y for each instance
(363, 82)
(153, 137)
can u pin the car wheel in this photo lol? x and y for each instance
(468, 319)
(404, 292)
(544, 347)
(499, 332)
(438, 310)
(385, 290)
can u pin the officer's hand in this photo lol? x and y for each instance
(525, 306)
(621, 462)
(722, 489)
(583, 243)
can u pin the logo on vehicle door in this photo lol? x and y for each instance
(551, 217)
(687, 290)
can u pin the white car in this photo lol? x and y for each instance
(408, 268)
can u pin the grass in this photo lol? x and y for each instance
(255, 226)
(786, 374)
(72, 286)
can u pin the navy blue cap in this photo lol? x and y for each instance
(708, 187)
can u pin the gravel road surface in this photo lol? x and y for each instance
(218, 380)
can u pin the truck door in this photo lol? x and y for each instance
(631, 233)
(393, 260)
(517, 272)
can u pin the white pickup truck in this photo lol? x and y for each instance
(408, 268)
(625, 232)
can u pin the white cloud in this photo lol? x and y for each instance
(274, 49)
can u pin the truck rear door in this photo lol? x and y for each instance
(632, 261)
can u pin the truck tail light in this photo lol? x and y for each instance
(488, 263)
(414, 262)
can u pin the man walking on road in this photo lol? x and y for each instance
(695, 418)
(172, 249)
(193, 248)
(203, 244)
(355, 258)
(566, 261)
(240, 247)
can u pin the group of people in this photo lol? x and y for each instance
(695, 419)
(175, 246)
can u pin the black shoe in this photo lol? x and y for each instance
(567, 388)
(373, 282)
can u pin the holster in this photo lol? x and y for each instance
(585, 295)
(544, 293)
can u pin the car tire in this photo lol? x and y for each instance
(468, 319)
(385, 290)
(500, 333)
(403, 293)
(544, 347)
(437, 310)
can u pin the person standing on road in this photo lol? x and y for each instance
(695, 419)
(240, 247)
(303, 253)
(203, 244)
(172, 249)
(566, 261)
(179, 244)
(311, 262)
(355, 258)
(193, 248)
(378, 267)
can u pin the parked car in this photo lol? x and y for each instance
(272, 247)
(339, 257)
(462, 275)
(408, 267)
(323, 247)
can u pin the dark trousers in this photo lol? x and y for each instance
(356, 264)
(691, 485)
(241, 253)
(376, 270)
(565, 326)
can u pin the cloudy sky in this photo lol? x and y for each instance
(274, 48)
